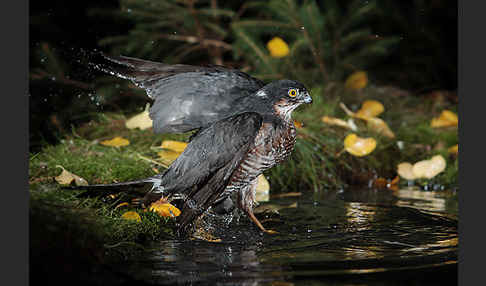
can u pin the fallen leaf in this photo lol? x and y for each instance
(337, 122)
(423, 169)
(405, 170)
(278, 47)
(165, 209)
(446, 119)
(131, 215)
(376, 124)
(141, 120)
(262, 189)
(393, 185)
(356, 81)
(168, 156)
(454, 149)
(66, 178)
(379, 126)
(172, 150)
(177, 146)
(370, 108)
(429, 168)
(358, 146)
(116, 142)
(298, 124)
(380, 183)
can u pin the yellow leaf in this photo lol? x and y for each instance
(168, 156)
(278, 47)
(116, 142)
(405, 170)
(393, 185)
(379, 126)
(454, 149)
(336, 121)
(357, 80)
(446, 119)
(423, 169)
(66, 178)
(163, 208)
(262, 189)
(172, 150)
(358, 146)
(176, 146)
(429, 168)
(141, 120)
(298, 124)
(370, 108)
(131, 215)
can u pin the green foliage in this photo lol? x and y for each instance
(326, 43)
(173, 31)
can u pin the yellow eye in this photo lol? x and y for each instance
(292, 92)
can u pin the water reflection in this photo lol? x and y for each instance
(422, 200)
(352, 232)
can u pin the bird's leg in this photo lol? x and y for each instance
(258, 223)
(245, 201)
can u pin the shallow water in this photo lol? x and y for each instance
(349, 237)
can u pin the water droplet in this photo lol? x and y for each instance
(302, 28)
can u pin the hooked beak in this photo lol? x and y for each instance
(306, 98)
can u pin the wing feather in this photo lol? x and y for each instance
(210, 150)
(186, 97)
(202, 172)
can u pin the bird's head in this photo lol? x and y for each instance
(284, 96)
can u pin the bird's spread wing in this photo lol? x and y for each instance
(186, 97)
(203, 170)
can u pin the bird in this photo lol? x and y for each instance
(242, 126)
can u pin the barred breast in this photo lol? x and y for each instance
(272, 146)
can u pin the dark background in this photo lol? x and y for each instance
(428, 34)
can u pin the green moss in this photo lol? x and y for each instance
(82, 155)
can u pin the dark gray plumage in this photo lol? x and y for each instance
(186, 97)
(244, 128)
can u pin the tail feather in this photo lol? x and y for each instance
(116, 187)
